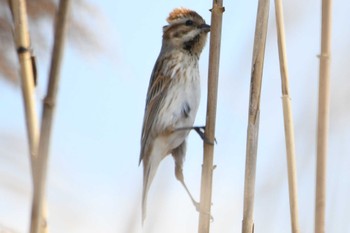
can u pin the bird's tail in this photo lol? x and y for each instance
(150, 167)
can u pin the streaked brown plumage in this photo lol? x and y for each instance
(173, 95)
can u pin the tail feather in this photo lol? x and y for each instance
(150, 167)
(146, 184)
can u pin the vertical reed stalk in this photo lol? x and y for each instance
(288, 119)
(48, 111)
(22, 41)
(323, 117)
(254, 115)
(213, 76)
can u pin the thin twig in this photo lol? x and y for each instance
(47, 117)
(288, 119)
(213, 76)
(254, 115)
(22, 41)
(323, 117)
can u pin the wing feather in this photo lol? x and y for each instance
(157, 89)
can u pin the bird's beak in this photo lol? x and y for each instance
(205, 27)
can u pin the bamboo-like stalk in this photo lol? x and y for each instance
(47, 117)
(254, 115)
(22, 41)
(208, 156)
(288, 119)
(27, 76)
(323, 117)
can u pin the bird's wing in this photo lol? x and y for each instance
(159, 84)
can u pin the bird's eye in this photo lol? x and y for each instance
(189, 22)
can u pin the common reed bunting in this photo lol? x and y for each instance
(173, 96)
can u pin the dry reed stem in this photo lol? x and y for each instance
(288, 119)
(22, 41)
(323, 117)
(291, 163)
(254, 114)
(27, 76)
(47, 117)
(208, 156)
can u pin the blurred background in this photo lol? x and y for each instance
(94, 181)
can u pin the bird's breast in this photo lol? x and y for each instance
(181, 101)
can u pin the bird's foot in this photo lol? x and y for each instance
(200, 130)
(199, 210)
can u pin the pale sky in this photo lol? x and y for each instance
(94, 182)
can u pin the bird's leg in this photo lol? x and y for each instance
(200, 131)
(180, 177)
(195, 203)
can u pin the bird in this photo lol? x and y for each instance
(173, 97)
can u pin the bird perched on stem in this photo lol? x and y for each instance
(173, 96)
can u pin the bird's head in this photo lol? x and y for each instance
(186, 31)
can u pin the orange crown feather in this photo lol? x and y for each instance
(181, 13)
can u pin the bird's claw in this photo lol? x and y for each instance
(199, 210)
(200, 130)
